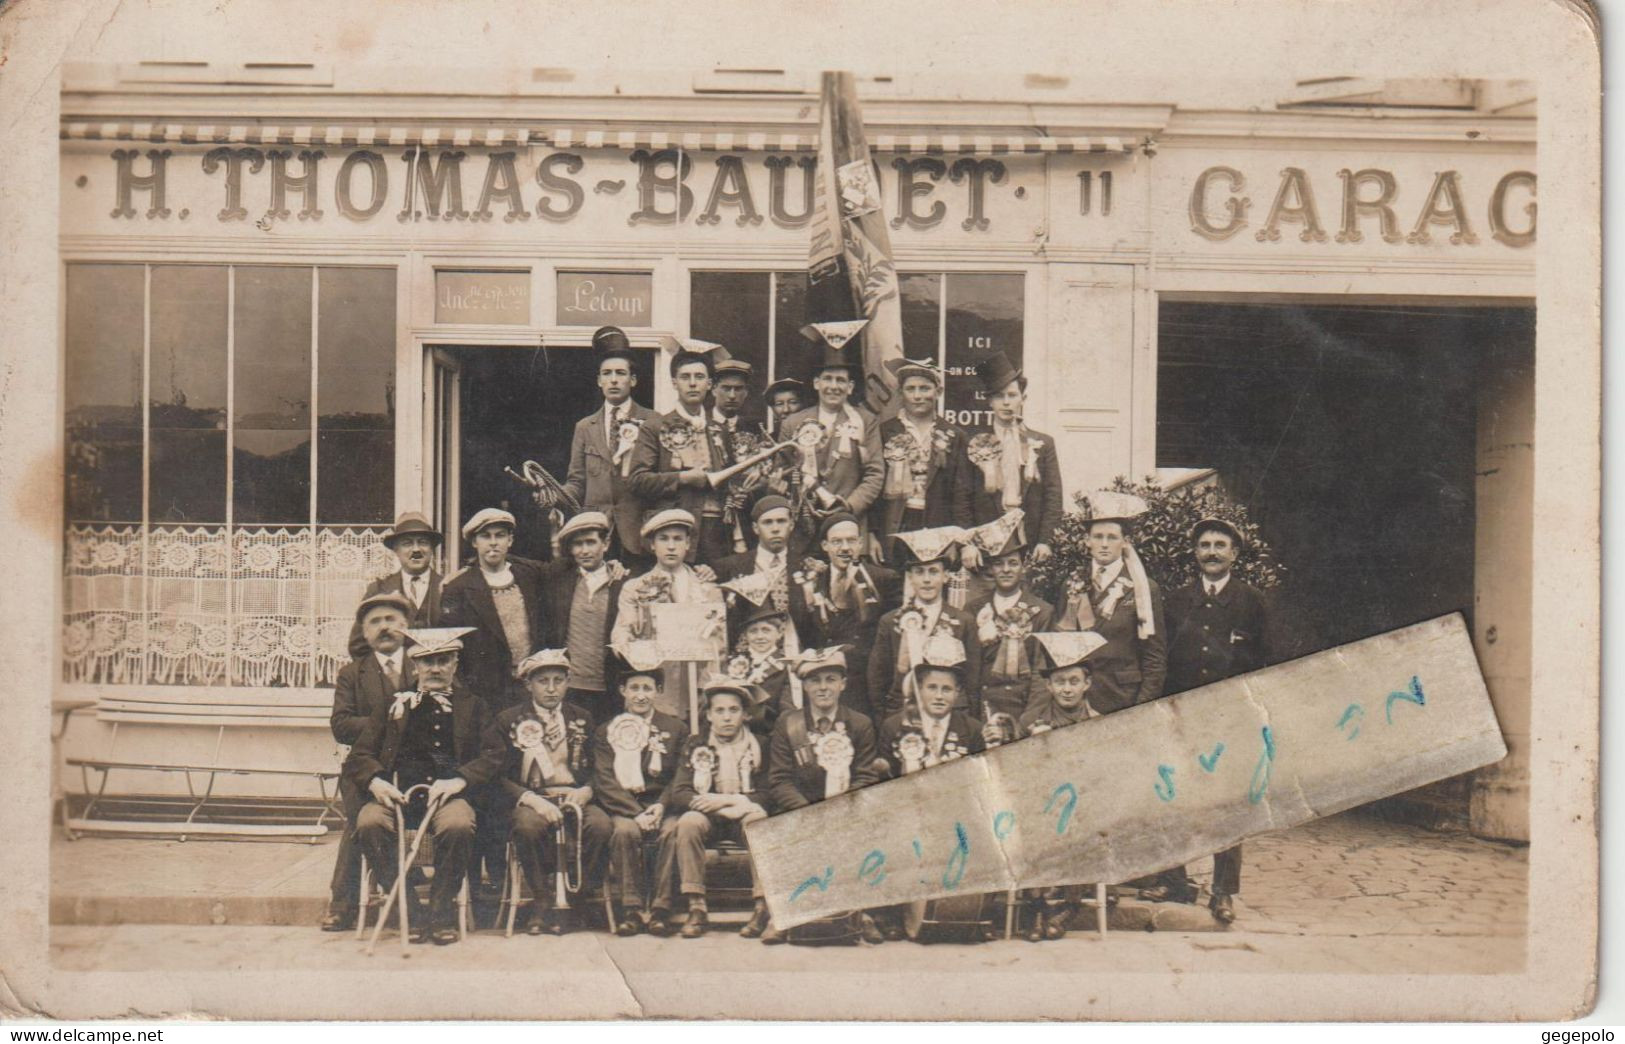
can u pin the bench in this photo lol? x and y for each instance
(201, 776)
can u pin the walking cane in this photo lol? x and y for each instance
(406, 859)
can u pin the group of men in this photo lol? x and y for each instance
(857, 593)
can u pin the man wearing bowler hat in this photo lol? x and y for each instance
(601, 448)
(415, 543)
(364, 686)
(1011, 465)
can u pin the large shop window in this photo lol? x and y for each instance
(957, 318)
(231, 458)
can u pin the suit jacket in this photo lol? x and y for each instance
(359, 692)
(508, 785)
(656, 467)
(743, 563)
(378, 747)
(682, 785)
(819, 628)
(395, 582)
(486, 663)
(607, 791)
(794, 779)
(857, 478)
(1009, 695)
(1127, 670)
(964, 737)
(886, 682)
(559, 580)
(1041, 498)
(1210, 639)
(947, 483)
(595, 480)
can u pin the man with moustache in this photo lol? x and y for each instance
(601, 448)
(415, 544)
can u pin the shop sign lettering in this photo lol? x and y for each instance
(596, 298)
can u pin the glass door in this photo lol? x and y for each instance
(442, 437)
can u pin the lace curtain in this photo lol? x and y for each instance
(183, 606)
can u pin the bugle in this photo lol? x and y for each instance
(567, 838)
(718, 477)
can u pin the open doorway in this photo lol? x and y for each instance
(513, 405)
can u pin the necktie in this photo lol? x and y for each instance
(612, 430)
(823, 726)
(842, 589)
(414, 590)
(392, 672)
(1212, 589)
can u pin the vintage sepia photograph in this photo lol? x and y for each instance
(521, 520)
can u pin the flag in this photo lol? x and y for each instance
(850, 271)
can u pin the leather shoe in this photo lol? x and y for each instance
(535, 926)
(628, 926)
(1035, 931)
(658, 925)
(694, 927)
(872, 934)
(444, 936)
(1224, 910)
(1055, 924)
(339, 920)
(757, 923)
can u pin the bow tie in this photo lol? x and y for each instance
(408, 701)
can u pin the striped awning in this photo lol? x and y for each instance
(493, 136)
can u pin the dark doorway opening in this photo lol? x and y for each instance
(522, 404)
(1350, 434)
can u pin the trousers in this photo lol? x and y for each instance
(536, 845)
(682, 855)
(452, 830)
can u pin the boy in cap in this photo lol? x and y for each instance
(500, 602)
(364, 686)
(427, 735)
(670, 580)
(841, 467)
(1005, 616)
(601, 448)
(677, 452)
(583, 592)
(1012, 465)
(825, 749)
(927, 482)
(545, 745)
(927, 555)
(1217, 626)
(414, 542)
(720, 786)
(931, 729)
(837, 598)
(1122, 604)
(634, 761)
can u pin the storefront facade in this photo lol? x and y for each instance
(295, 309)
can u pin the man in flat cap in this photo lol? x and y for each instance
(926, 556)
(678, 452)
(364, 686)
(601, 448)
(1217, 626)
(583, 591)
(1012, 465)
(836, 598)
(928, 483)
(546, 750)
(501, 601)
(429, 735)
(841, 467)
(415, 543)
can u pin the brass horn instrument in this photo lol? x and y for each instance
(550, 495)
(567, 875)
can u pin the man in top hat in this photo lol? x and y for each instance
(824, 750)
(1217, 626)
(545, 746)
(927, 478)
(1122, 604)
(926, 556)
(841, 467)
(670, 580)
(678, 452)
(1005, 616)
(501, 602)
(837, 598)
(721, 785)
(582, 594)
(784, 397)
(601, 448)
(414, 543)
(1011, 465)
(429, 735)
(364, 686)
(634, 761)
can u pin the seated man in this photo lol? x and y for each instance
(546, 749)
(826, 748)
(1004, 619)
(430, 735)
(930, 729)
(720, 786)
(927, 555)
(634, 760)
